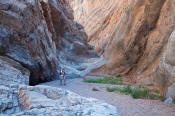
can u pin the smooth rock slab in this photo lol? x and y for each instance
(36, 101)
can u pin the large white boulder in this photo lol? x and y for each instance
(56, 101)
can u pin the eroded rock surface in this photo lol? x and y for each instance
(132, 35)
(40, 34)
(11, 74)
(35, 36)
(134, 38)
(164, 74)
(45, 100)
(25, 38)
(9, 99)
(18, 99)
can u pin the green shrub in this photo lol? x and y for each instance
(118, 76)
(106, 80)
(127, 89)
(153, 96)
(157, 91)
(112, 89)
(137, 93)
(162, 98)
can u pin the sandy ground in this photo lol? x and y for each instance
(126, 105)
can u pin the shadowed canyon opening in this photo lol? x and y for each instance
(118, 46)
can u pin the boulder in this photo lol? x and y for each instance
(55, 101)
(96, 89)
(9, 100)
(12, 72)
(169, 101)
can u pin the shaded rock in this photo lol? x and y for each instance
(40, 33)
(25, 38)
(96, 89)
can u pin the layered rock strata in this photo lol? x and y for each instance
(132, 35)
(34, 32)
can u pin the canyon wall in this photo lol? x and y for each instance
(33, 33)
(99, 19)
(132, 36)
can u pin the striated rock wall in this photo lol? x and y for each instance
(35, 37)
(139, 48)
(33, 33)
(25, 38)
(99, 18)
(132, 35)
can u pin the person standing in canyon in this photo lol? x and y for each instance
(62, 76)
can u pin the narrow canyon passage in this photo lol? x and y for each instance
(134, 39)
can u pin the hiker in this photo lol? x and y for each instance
(62, 76)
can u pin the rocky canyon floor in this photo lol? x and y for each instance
(126, 105)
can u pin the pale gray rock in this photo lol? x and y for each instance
(12, 72)
(36, 99)
(169, 100)
(8, 100)
(165, 73)
(171, 92)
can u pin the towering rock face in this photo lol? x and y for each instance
(132, 35)
(140, 41)
(25, 38)
(35, 35)
(33, 32)
(99, 19)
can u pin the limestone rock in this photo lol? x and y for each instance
(12, 72)
(171, 91)
(42, 100)
(40, 33)
(169, 101)
(24, 100)
(8, 100)
(25, 38)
